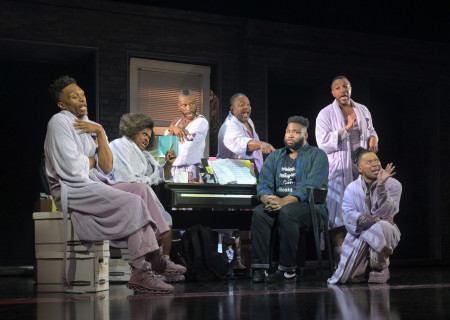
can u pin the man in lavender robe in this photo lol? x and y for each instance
(369, 206)
(77, 151)
(341, 128)
(237, 135)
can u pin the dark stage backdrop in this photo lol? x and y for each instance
(406, 117)
(28, 108)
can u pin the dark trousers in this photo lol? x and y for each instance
(288, 223)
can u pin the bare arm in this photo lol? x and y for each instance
(373, 144)
(265, 147)
(179, 130)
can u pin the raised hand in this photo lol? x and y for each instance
(351, 119)
(384, 174)
(170, 156)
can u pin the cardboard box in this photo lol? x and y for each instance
(45, 205)
(49, 235)
(119, 270)
(86, 272)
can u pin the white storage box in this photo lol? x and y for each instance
(86, 272)
(119, 270)
(49, 235)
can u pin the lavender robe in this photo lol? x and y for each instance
(335, 142)
(233, 140)
(381, 236)
(98, 211)
(131, 164)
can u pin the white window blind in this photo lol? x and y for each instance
(158, 91)
(155, 85)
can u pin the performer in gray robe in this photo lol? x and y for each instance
(76, 151)
(134, 163)
(369, 206)
(341, 128)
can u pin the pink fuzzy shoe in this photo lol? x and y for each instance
(145, 281)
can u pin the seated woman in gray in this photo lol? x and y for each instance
(134, 163)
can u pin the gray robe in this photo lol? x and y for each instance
(98, 211)
(329, 124)
(131, 164)
(381, 236)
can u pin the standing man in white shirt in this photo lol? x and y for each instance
(191, 130)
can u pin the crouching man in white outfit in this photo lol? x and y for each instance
(369, 206)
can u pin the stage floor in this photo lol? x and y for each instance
(412, 293)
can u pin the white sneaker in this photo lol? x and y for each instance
(379, 276)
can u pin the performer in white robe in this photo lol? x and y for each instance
(237, 136)
(369, 206)
(191, 130)
(238, 139)
(134, 163)
(76, 151)
(341, 128)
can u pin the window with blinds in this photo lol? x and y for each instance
(155, 85)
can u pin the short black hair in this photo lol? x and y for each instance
(57, 86)
(186, 92)
(339, 77)
(133, 123)
(358, 153)
(300, 120)
(234, 96)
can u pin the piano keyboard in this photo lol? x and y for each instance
(208, 196)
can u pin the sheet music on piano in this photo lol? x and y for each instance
(232, 171)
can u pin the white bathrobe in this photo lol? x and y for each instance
(131, 164)
(335, 142)
(381, 236)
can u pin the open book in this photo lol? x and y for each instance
(232, 171)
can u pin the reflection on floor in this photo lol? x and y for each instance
(413, 293)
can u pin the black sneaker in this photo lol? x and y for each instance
(279, 275)
(259, 275)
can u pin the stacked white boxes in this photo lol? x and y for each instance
(119, 270)
(87, 263)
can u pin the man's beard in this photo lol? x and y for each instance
(194, 114)
(295, 146)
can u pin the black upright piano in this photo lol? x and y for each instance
(214, 205)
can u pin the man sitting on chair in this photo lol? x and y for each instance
(282, 189)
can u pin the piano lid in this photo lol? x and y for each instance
(212, 188)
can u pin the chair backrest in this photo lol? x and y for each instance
(319, 194)
(43, 175)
